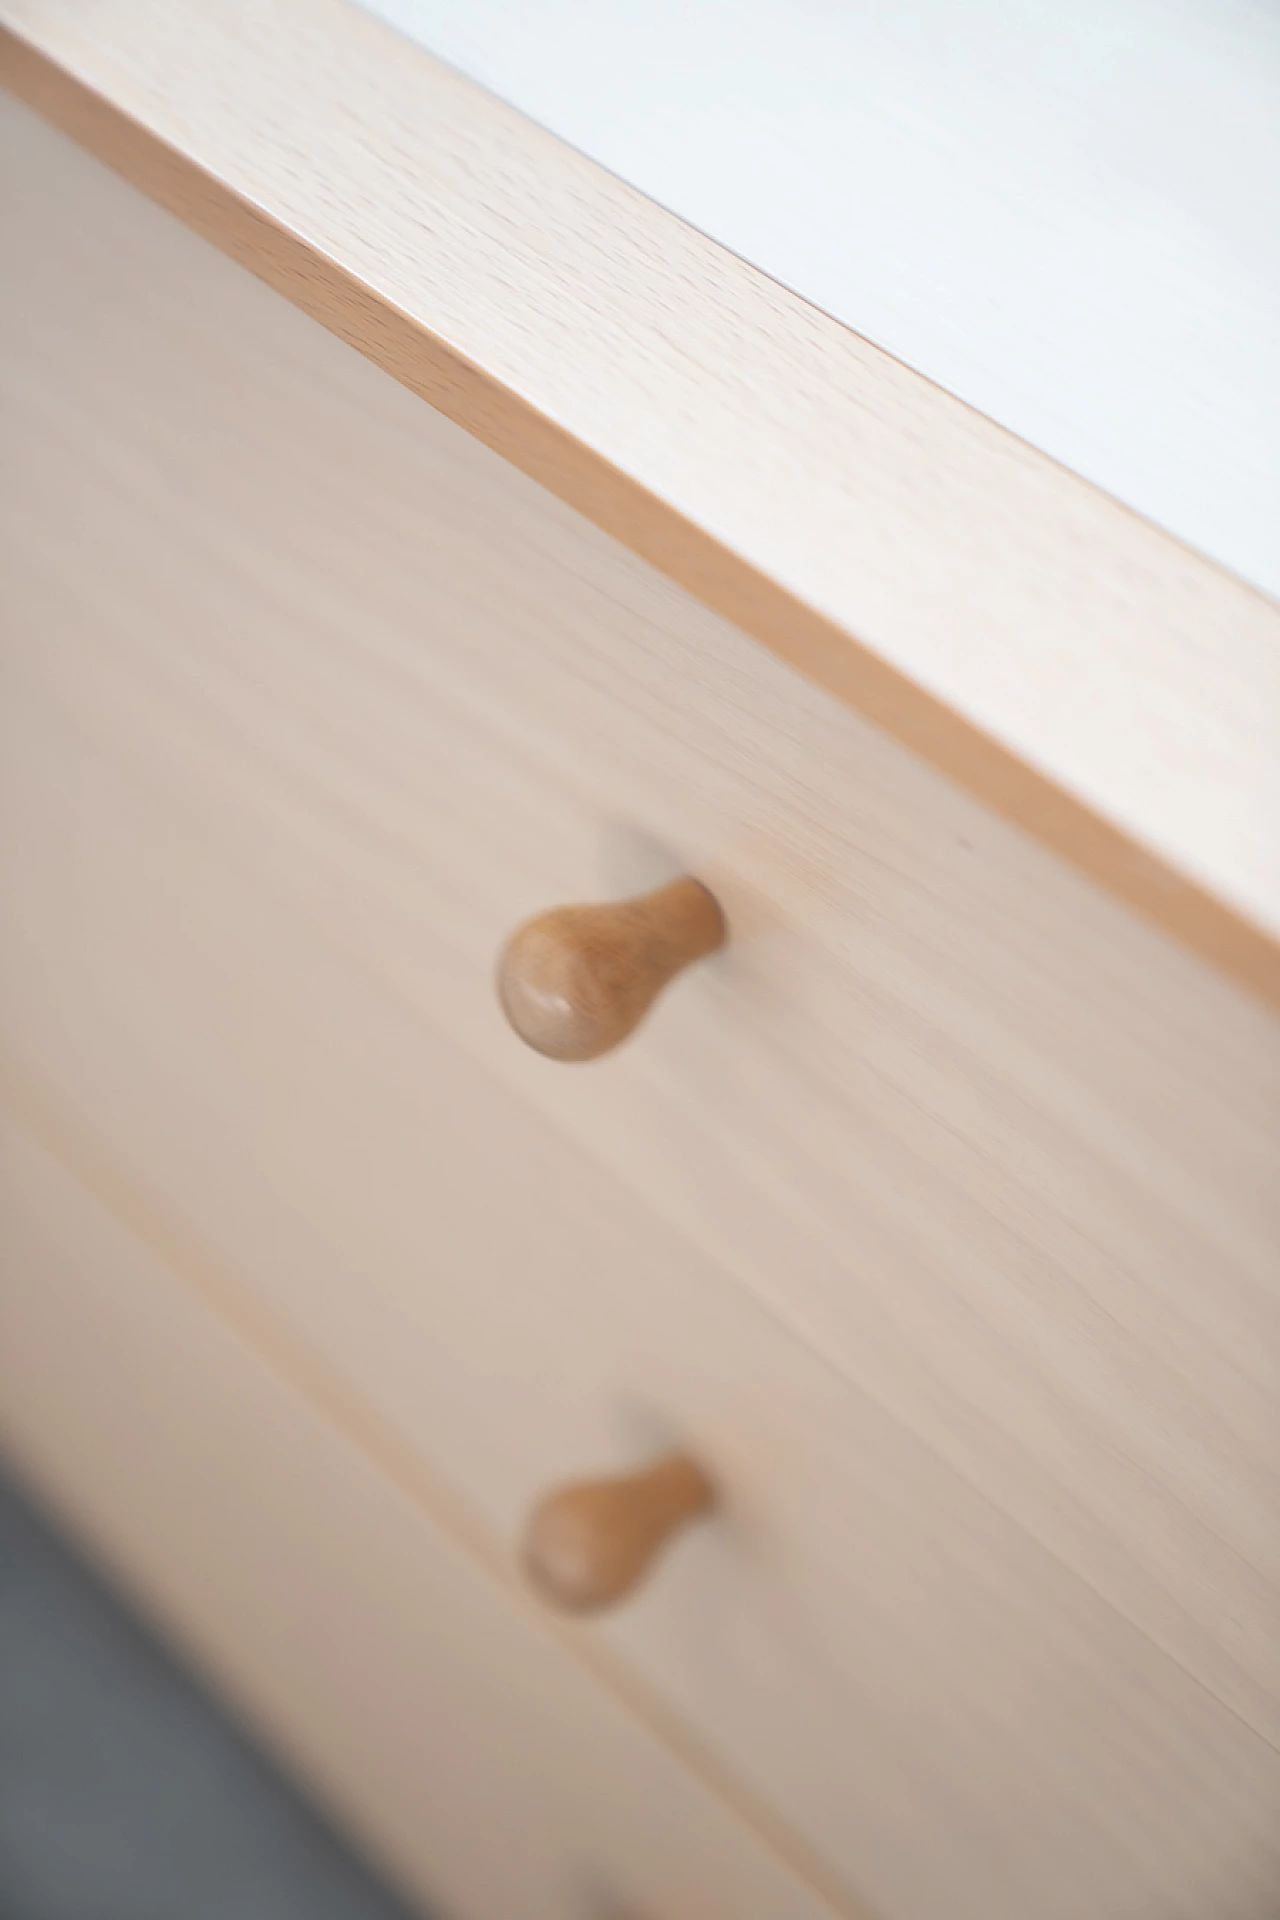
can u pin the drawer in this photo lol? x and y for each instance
(899, 1212)
(862, 1640)
(437, 1715)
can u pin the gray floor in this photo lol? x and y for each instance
(125, 1793)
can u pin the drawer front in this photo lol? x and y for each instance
(329, 701)
(861, 1638)
(440, 1717)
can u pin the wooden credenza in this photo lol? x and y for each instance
(931, 1214)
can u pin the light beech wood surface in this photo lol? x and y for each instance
(332, 1591)
(936, 1215)
(1085, 674)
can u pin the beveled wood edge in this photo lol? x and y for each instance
(505, 421)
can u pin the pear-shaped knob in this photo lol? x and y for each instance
(590, 1544)
(576, 981)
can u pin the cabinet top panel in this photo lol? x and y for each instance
(1078, 668)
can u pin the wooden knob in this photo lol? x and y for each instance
(589, 1544)
(576, 981)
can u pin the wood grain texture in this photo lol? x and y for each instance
(577, 981)
(862, 1642)
(1068, 216)
(354, 1627)
(1073, 667)
(329, 699)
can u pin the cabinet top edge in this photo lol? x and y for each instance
(1111, 691)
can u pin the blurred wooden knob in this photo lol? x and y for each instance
(589, 1544)
(577, 980)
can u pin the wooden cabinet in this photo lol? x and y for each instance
(932, 1212)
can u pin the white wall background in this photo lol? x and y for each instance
(1065, 211)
